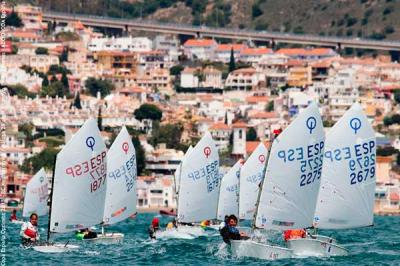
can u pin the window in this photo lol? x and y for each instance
(240, 133)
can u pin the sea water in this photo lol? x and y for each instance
(375, 245)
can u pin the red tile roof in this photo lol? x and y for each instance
(219, 126)
(305, 52)
(256, 51)
(252, 145)
(239, 124)
(200, 42)
(228, 47)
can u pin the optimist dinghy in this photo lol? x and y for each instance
(346, 196)
(289, 190)
(78, 186)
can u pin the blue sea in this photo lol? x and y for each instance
(377, 245)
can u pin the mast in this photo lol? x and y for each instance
(178, 188)
(51, 197)
(253, 227)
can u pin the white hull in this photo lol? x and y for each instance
(54, 248)
(308, 247)
(16, 222)
(108, 238)
(249, 248)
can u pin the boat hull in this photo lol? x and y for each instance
(309, 247)
(108, 238)
(250, 248)
(54, 248)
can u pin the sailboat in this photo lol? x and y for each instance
(289, 191)
(251, 175)
(120, 201)
(228, 201)
(346, 196)
(198, 188)
(36, 195)
(78, 186)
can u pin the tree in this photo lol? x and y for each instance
(100, 120)
(251, 134)
(256, 11)
(397, 96)
(170, 134)
(27, 129)
(41, 50)
(175, 70)
(44, 159)
(64, 80)
(398, 159)
(14, 20)
(77, 101)
(53, 79)
(270, 106)
(148, 111)
(45, 81)
(232, 61)
(64, 55)
(20, 90)
(56, 88)
(140, 154)
(97, 85)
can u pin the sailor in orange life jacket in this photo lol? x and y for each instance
(29, 230)
(294, 234)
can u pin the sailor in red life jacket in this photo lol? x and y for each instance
(29, 231)
(13, 216)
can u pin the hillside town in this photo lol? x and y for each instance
(169, 91)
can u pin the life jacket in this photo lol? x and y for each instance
(30, 232)
(170, 225)
(294, 234)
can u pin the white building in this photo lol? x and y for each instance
(189, 79)
(131, 44)
(244, 79)
(202, 49)
(155, 192)
(14, 76)
(169, 44)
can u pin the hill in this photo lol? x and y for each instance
(377, 19)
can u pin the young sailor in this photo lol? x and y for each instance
(13, 216)
(230, 232)
(85, 234)
(154, 227)
(172, 225)
(29, 231)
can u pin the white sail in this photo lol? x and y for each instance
(179, 169)
(228, 201)
(36, 195)
(120, 200)
(199, 183)
(251, 176)
(346, 197)
(289, 192)
(80, 181)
